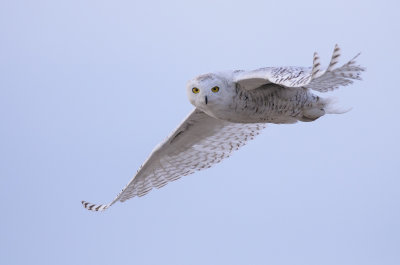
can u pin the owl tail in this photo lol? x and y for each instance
(327, 106)
(332, 106)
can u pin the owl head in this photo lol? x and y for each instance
(210, 93)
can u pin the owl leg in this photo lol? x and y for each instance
(312, 114)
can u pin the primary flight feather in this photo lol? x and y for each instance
(231, 108)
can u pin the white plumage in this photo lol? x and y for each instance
(232, 108)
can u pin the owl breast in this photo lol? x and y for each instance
(268, 104)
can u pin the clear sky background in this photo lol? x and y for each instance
(88, 88)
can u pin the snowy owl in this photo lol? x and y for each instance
(231, 108)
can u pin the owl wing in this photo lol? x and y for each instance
(310, 77)
(198, 143)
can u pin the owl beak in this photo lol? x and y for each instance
(206, 99)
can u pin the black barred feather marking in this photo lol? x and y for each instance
(334, 59)
(316, 66)
(95, 207)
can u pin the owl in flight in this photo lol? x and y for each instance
(231, 108)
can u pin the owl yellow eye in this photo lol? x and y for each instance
(195, 90)
(215, 89)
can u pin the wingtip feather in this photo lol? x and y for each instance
(316, 65)
(335, 58)
(94, 207)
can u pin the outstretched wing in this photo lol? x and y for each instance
(198, 143)
(310, 77)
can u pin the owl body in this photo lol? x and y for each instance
(273, 104)
(268, 103)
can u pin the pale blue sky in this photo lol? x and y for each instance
(88, 88)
